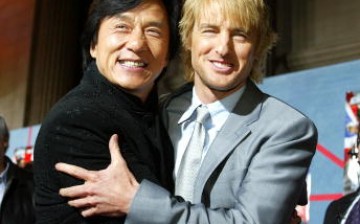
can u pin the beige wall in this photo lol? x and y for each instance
(324, 32)
(39, 60)
(55, 58)
(16, 19)
(40, 56)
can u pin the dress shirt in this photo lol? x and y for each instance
(219, 112)
(343, 220)
(3, 178)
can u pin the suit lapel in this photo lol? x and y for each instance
(174, 109)
(235, 129)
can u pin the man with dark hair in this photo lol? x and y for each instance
(126, 46)
(16, 186)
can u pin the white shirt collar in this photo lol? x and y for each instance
(226, 104)
(3, 175)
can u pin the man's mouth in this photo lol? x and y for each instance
(222, 65)
(133, 64)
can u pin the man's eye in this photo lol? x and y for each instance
(240, 36)
(208, 31)
(154, 32)
(122, 27)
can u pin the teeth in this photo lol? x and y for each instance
(222, 65)
(133, 63)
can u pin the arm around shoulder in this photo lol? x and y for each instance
(268, 193)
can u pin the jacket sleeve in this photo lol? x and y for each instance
(268, 194)
(76, 138)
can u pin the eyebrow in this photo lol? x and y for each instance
(158, 24)
(206, 25)
(233, 29)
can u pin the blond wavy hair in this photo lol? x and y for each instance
(252, 15)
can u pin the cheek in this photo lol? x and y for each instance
(160, 45)
(164, 57)
(112, 42)
(202, 47)
(198, 55)
(160, 54)
(245, 53)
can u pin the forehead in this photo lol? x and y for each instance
(155, 5)
(153, 9)
(236, 13)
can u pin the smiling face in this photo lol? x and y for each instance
(132, 47)
(222, 55)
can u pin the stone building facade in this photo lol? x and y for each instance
(40, 57)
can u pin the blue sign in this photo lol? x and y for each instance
(320, 94)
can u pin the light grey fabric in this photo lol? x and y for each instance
(253, 172)
(191, 160)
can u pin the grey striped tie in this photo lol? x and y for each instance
(191, 160)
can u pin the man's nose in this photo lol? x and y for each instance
(223, 45)
(137, 41)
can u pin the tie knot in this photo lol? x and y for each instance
(201, 114)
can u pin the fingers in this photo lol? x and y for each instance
(74, 171)
(96, 210)
(78, 191)
(88, 212)
(81, 202)
(116, 158)
(115, 153)
(86, 205)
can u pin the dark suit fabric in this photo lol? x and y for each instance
(77, 131)
(337, 209)
(17, 205)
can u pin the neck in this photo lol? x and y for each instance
(206, 96)
(143, 94)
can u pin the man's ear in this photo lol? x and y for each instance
(187, 45)
(167, 60)
(93, 50)
(6, 145)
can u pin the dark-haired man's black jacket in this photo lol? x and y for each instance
(77, 131)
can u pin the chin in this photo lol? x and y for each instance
(224, 88)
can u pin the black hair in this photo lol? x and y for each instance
(100, 9)
(4, 131)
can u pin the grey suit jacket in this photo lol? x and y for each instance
(253, 172)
